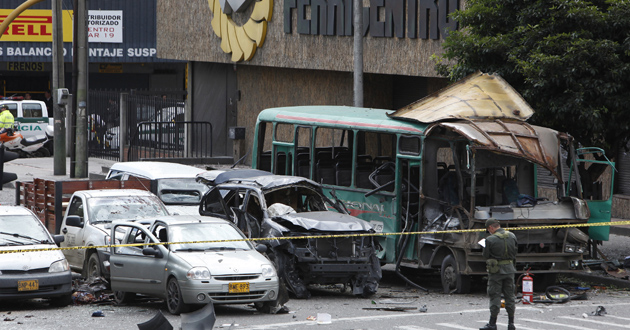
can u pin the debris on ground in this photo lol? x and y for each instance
(600, 311)
(90, 292)
(324, 318)
(390, 309)
(98, 314)
(156, 322)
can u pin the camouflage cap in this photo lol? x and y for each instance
(491, 221)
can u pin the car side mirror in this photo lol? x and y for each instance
(74, 221)
(262, 248)
(152, 252)
(58, 239)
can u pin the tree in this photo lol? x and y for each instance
(570, 59)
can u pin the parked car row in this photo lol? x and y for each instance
(151, 253)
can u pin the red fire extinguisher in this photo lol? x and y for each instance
(528, 288)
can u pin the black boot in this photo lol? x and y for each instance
(511, 323)
(492, 325)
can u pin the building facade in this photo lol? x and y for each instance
(122, 48)
(245, 56)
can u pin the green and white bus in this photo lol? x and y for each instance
(445, 163)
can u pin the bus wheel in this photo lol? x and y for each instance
(452, 280)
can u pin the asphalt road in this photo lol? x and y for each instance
(443, 311)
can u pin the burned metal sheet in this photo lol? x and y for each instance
(534, 143)
(478, 96)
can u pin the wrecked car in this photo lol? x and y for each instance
(189, 269)
(281, 207)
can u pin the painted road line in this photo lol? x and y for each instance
(555, 324)
(518, 326)
(455, 326)
(410, 327)
(599, 321)
(617, 317)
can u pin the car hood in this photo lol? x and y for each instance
(183, 209)
(29, 260)
(226, 262)
(322, 221)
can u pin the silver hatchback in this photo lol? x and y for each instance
(186, 273)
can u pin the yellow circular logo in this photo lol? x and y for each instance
(242, 40)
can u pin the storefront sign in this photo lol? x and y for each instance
(25, 66)
(35, 25)
(105, 26)
(425, 19)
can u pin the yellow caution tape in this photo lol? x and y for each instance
(594, 224)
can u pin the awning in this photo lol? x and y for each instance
(478, 96)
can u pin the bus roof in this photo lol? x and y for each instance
(342, 117)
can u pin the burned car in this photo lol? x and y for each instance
(280, 207)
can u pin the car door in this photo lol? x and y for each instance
(73, 236)
(135, 271)
(32, 122)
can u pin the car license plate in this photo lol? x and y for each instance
(238, 287)
(29, 285)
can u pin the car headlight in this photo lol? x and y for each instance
(198, 273)
(569, 248)
(59, 266)
(268, 271)
(580, 249)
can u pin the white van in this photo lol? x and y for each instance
(176, 185)
(31, 116)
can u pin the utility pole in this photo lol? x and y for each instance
(81, 169)
(59, 117)
(358, 53)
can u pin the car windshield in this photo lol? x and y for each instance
(125, 207)
(181, 191)
(22, 230)
(196, 232)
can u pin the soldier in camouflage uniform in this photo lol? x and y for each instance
(500, 254)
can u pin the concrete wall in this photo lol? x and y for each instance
(264, 87)
(185, 33)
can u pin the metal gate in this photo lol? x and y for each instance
(157, 140)
(105, 120)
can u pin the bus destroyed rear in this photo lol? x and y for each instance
(444, 165)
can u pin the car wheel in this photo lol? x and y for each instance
(93, 267)
(452, 280)
(174, 300)
(61, 301)
(121, 297)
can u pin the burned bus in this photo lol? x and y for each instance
(441, 166)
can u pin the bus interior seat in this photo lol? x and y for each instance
(325, 168)
(303, 165)
(364, 169)
(343, 171)
(442, 169)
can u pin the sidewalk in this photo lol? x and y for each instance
(43, 168)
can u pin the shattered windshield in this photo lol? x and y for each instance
(300, 199)
(22, 230)
(126, 207)
(181, 191)
(196, 232)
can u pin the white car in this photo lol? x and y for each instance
(26, 275)
(88, 219)
(186, 273)
(176, 185)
